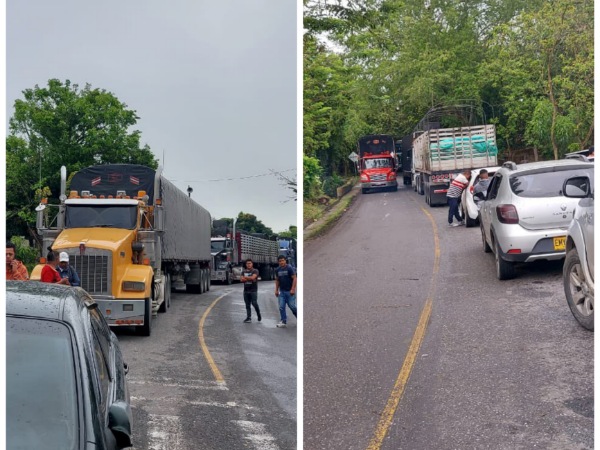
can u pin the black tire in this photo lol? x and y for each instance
(228, 278)
(579, 297)
(171, 284)
(365, 190)
(470, 223)
(146, 329)
(486, 247)
(505, 270)
(208, 280)
(167, 300)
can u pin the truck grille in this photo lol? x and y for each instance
(378, 177)
(94, 270)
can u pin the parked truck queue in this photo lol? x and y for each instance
(134, 238)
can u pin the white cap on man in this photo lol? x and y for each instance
(64, 257)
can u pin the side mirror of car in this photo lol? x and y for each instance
(119, 422)
(577, 187)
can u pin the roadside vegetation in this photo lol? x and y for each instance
(65, 124)
(377, 66)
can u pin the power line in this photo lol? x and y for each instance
(238, 178)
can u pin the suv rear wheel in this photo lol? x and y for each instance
(579, 296)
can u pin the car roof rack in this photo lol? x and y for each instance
(510, 165)
(578, 157)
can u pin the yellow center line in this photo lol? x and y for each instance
(211, 362)
(387, 416)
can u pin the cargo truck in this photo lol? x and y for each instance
(440, 154)
(377, 162)
(229, 255)
(404, 152)
(287, 248)
(132, 237)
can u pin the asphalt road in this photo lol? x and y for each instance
(177, 402)
(502, 364)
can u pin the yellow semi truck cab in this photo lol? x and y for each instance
(128, 252)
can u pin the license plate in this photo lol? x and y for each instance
(560, 242)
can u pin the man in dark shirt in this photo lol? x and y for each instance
(285, 289)
(250, 280)
(66, 271)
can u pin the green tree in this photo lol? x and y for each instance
(291, 233)
(248, 222)
(61, 124)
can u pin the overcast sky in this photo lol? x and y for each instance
(213, 82)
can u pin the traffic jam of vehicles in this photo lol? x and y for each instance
(134, 239)
(526, 212)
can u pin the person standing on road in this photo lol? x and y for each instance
(15, 269)
(285, 289)
(49, 272)
(250, 280)
(457, 186)
(66, 271)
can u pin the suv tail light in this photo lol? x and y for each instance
(507, 214)
(364, 177)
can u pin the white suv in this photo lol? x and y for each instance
(525, 215)
(578, 271)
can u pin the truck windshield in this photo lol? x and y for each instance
(217, 246)
(110, 216)
(378, 163)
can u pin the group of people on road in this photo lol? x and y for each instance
(285, 290)
(57, 269)
(454, 194)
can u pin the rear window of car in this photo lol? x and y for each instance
(41, 392)
(544, 183)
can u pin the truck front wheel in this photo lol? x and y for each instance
(146, 329)
(167, 295)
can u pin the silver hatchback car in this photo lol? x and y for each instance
(578, 271)
(525, 215)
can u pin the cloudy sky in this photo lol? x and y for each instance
(213, 82)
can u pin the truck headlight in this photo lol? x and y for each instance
(133, 286)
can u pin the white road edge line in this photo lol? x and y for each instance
(164, 432)
(257, 434)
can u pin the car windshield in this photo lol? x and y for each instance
(217, 246)
(81, 216)
(378, 163)
(41, 393)
(545, 184)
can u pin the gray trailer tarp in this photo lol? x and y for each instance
(187, 226)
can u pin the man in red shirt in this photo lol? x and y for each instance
(49, 272)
